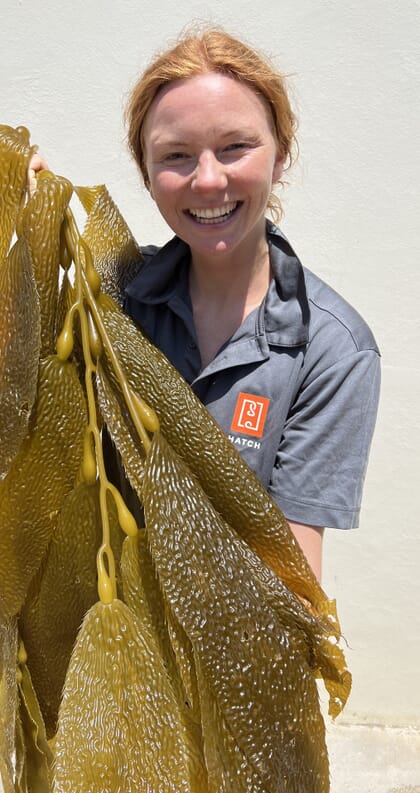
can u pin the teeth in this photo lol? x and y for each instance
(215, 213)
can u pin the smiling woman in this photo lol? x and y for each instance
(218, 52)
(254, 333)
(287, 369)
(211, 165)
(228, 301)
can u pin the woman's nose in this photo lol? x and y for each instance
(209, 174)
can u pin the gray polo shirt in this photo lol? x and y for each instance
(295, 388)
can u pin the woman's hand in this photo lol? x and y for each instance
(36, 164)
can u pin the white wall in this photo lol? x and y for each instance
(352, 212)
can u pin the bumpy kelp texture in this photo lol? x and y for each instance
(20, 316)
(41, 231)
(34, 756)
(194, 434)
(15, 153)
(20, 342)
(8, 700)
(143, 595)
(185, 656)
(117, 691)
(250, 646)
(41, 475)
(116, 254)
(61, 593)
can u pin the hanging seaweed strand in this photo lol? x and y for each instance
(94, 338)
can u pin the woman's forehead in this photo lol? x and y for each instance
(209, 98)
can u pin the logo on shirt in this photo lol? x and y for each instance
(250, 414)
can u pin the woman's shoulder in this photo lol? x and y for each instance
(148, 251)
(332, 319)
(331, 312)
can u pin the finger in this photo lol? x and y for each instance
(37, 163)
(31, 181)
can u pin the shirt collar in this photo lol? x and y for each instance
(163, 277)
(286, 314)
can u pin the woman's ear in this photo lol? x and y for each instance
(278, 169)
(148, 185)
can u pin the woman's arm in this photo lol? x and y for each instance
(310, 540)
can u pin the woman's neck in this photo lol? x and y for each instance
(226, 280)
(222, 295)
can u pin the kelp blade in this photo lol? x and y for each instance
(61, 594)
(254, 655)
(120, 428)
(41, 225)
(227, 480)
(196, 437)
(19, 349)
(36, 760)
(116, 255)
(15, 153)
(8, 701)
(143, 596)
(42, 473)
(118, 728)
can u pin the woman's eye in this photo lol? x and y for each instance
(174, 156)
(234, 146)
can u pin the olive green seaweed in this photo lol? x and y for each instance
(41, 231)
(41, 475)
(120, 426)
(37, 757)
(20, 343)
(8, 700)
(15, 153)
(125, 700)
(20, 317)
(178, 655)
(116, 255)
(244, 640)
(194, 434)
(62, 592)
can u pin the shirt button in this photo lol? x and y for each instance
(192, 345)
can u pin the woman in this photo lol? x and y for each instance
(288, 369)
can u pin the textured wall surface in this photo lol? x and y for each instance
(351, 211)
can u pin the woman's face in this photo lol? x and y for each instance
(211, 159)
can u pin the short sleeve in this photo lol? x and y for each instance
(322, 458)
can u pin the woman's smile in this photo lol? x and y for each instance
(212, 215)
(212, 159)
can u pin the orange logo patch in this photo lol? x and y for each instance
(250, 414)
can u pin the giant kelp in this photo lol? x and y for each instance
(19, 331)
(184, 658)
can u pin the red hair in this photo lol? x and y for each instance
(213, 51)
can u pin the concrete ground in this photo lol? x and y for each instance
(366, 759)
